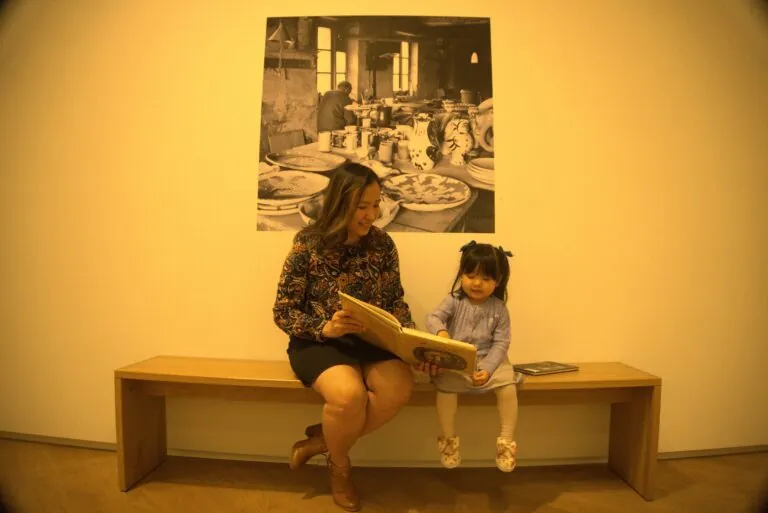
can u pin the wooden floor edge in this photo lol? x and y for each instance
(105, 446)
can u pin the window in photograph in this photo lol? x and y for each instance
(331, 62)
(401, 68)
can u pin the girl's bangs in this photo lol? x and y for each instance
(486, 264)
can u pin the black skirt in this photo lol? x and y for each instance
(309, 358)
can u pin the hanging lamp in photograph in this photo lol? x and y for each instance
(282, 37)
(474, 59)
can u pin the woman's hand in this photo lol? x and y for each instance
(431, 368)
(342, 323)
(480, 377)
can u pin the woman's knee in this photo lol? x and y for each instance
(347, 398)
(343, 390)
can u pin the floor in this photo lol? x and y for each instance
(44, 478)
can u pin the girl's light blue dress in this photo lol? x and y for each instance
(487, 327)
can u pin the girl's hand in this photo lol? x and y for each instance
(342, 323)
(444, 334)
(480, 377)
(431, 368)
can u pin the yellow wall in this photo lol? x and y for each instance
(632, 188)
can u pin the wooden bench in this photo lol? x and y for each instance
(141, 389)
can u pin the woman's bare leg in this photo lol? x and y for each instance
(344, 412)
(390, 384)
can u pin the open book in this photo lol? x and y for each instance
(411, 345)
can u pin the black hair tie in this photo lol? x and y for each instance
(508, 253)
(467, 246)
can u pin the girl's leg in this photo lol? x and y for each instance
(448, 442)
(447, 404)
(506, 447)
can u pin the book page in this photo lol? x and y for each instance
(347, 300)
(380, 330)
(415, 346)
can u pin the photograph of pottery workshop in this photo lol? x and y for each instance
(409, 97)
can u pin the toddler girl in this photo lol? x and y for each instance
(475, 312)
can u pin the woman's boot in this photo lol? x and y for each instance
(342, 489)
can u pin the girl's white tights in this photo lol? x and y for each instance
(446, 412)
(506, 401)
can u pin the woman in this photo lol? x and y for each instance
(363, 386)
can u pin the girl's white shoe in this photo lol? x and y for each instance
(506, 450)
(450, 456)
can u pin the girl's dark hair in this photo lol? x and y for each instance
(339, 203)
(487, 260)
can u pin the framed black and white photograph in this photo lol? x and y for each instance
(410, 97)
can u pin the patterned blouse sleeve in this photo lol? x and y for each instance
(291, 290)
(392, 288)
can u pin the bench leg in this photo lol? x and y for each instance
(634, 440)
(141, 436)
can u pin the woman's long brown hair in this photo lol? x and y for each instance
(339, 203)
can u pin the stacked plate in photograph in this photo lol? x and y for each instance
(482, 170)
(306, 160)
(281, 192)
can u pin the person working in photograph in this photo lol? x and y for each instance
(331, 114)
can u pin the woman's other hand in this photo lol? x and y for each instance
(342, 323)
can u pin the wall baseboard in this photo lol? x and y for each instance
(709, 453)
(548, 462)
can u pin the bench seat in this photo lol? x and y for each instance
(141, 389)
